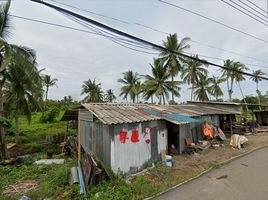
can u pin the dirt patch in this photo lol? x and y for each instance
(21, 188)
(188, 166)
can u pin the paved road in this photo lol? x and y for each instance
(245, 178)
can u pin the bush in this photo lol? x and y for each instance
(51, 115)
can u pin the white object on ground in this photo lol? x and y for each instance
(237, 140)
(168, 160)
(49, 161)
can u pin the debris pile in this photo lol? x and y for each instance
(20, 188)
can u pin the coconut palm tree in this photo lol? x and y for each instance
(257, 79)
(49, 82)
(215, 88)
(158, 84)
(109, 96)
(129, 87)
(238, 77)
(227, 74)
(23, 88)
(92, 90)
(192, 72)
(172, 60)
(202, 89)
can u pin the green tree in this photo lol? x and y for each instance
(172, 60)
(23, 87)
(92, 90)
(129, 87)
(158, 84)
(192, 72)
(202, 89)
(215, 88)
(109, 96)
(257, 79)
(49, 82)
(238, 77)
(227, 74)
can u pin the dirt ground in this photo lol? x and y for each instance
(188, 166)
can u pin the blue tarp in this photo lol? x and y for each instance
(175, 116)
(182, 118)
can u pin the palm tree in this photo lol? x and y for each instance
(109, 96)
(257, 79)
(202, 89)
(215, 88)
(192, 72)
(172, 60)
(238, 77)
(92, 90)
(129, 82)
(49, 82)
(227, 74)
(23, 88)
(158, 84)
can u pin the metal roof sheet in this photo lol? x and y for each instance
(115, 113)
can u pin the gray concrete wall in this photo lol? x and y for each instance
(131, 157)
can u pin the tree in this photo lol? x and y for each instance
(172, 60)
(215, 88)
(158, 84)
(257, 79)
(129, 87)
(238, 77)
(23, 87)
(109, 96)
(202, 89)
(92, 90)
(192, 72)
(49, 82)
(227, 74)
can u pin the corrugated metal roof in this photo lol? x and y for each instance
(114, 113)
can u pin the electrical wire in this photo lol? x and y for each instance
(154, 46)
(253, 8)
(245, 12)
(257, 6)
(213, 20)
(112, 38)
(159, 31)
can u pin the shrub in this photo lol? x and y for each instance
(51, 115)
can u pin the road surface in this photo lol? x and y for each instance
(245, 178)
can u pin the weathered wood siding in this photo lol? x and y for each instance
(95, 137)
(130, 157)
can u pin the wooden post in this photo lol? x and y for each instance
(231, 124)
(78, 138)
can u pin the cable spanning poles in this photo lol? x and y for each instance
(215, 21)
(157, 30)
(251, 12)
(139, 40)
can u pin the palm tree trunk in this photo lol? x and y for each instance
(172, 80)
(46, 93)
(152, 100)
(2, 133)
(242, 94)
(164, 101)
(192, 92)
(17, 127)
(258, 94)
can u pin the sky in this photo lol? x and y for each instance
(73, 57)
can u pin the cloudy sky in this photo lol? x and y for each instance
(73, 56)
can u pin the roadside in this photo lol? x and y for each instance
(240, 179)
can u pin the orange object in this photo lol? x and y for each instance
(207, 130)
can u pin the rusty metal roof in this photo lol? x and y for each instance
(115, 113)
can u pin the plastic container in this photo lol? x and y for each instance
(169, 161)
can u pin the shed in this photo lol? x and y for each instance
(128, 137)
(262, 117)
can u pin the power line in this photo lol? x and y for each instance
(159, 31)
(153, 45)
(246, 12)
(253, 9)
(257, 6)
(113, 38)
(215, 21)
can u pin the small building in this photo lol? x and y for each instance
(262, 117)
(129, 137)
